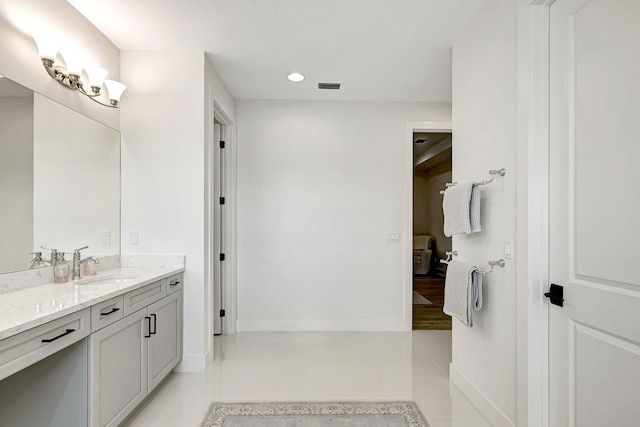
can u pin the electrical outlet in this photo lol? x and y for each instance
(106, 237)
(133, 238)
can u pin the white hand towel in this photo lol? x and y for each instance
(461, 208)
(462, 291)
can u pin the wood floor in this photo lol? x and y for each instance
(430, 317)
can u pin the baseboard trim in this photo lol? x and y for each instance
(319, 325)
(193, 363)
(480, 400)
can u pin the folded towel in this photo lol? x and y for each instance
(462, 291)
(461, 207)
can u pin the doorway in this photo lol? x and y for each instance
(431, 172)
(221, 234)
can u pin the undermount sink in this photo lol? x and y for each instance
(111, 278)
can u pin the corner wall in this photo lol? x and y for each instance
(163, 131)
(20, 61)
(485, 135)
(320, 184)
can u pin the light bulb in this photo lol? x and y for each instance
(295, 77)
(115, 90)
(73, 63)
(96, 75)
(47, 48)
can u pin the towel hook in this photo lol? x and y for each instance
(499, 263)
(449, 254)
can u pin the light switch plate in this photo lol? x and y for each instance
(508, 249)
(133, 238)
(393, 237)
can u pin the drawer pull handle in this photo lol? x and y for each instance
(174, 283)
(149, 319)
(113, 310)
(154, 325)
(59, 336)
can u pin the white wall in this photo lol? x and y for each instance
(19, 59)
(16, 182)
(320, 184)
(485, 132)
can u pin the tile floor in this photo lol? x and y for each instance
(317, 366)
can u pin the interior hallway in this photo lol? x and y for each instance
(317, 366)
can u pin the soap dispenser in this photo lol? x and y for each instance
(61, 269)
(37, 260)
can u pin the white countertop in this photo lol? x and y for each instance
(27, 308)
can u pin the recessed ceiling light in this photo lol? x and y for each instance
(295, 77)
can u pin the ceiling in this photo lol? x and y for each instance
(431, 149)
(380, 50)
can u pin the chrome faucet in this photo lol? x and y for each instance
(54, 256)
(77, 262)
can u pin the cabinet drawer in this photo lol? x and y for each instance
(107, 312)
(22, 350)
(140, 298)
(175, 283)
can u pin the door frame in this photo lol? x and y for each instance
(228, 134)
(532, 198)
(228, 303)
(407, 232)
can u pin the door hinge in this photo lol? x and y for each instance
(222, 200)
(222, 257)
(555, 294)
(222, 313)
(222, 144)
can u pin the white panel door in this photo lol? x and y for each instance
(165, 341)
(594, 339)
(118, 374)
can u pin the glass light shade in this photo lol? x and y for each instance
(115, 89)
(47, 48)
(73, 63)
(295, 77)
(96, 75)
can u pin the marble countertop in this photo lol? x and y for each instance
(27, 308)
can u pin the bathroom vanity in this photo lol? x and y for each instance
(88, 352)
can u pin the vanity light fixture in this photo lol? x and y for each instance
(69, 76)
(295, 77)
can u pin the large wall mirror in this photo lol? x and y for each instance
(59, 180)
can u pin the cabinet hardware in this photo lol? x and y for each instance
(154, 324)
(174, 283)
(149, 325)
(68, 331)
(113, 310)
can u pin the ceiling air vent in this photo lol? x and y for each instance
(334, 86)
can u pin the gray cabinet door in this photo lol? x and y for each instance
(118, 374)
(165, 343)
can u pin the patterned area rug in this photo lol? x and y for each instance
(314, 414)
